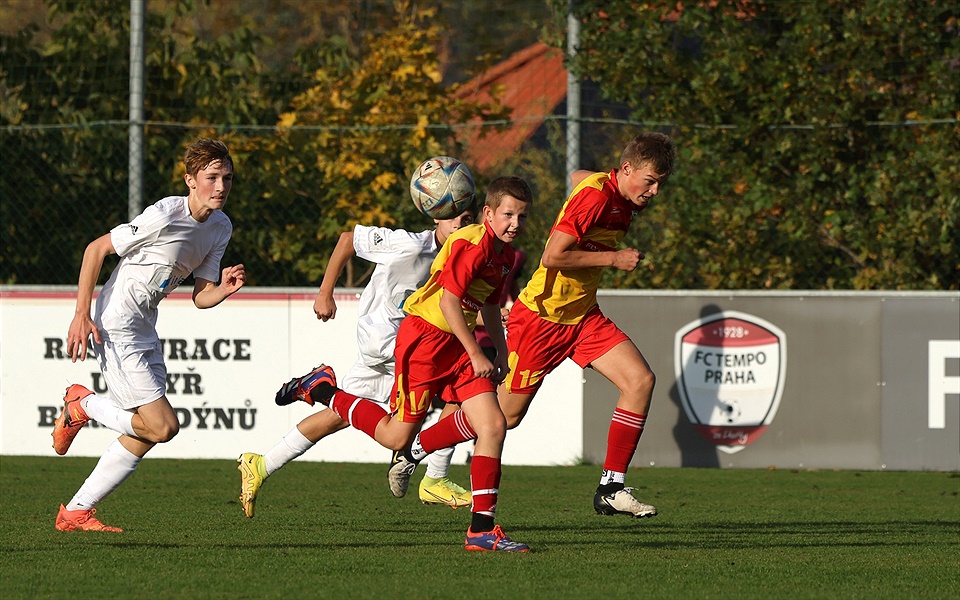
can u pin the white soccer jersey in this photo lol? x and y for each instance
(159, 249)
(403, 262)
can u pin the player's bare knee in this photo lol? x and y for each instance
(395, 445)
(494, 430)
(393, 441)
(167, 431)
(641, 384)
(649, 381)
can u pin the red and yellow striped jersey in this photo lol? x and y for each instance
(598, 216)
(469, 266)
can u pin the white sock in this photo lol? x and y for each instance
(104, 411)
(612, 477)
(116, 464)
(416, 449)
(288, 448)
(438, 463)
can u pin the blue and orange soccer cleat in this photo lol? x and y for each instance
(72, 418)
(493, 541)
(299, 388)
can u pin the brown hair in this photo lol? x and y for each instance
(203, 152)
(507, 186)
(651, 148)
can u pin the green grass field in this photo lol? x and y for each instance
(328, 530)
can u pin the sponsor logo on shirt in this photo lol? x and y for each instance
(592, 246)
(471, 303)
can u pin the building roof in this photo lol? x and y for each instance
(532, 82)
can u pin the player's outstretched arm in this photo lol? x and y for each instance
(207, 294)
(82, 326)
(324, 305)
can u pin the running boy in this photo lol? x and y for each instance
(159, 249)
(403, 264)
(438, 356)
(557, 315)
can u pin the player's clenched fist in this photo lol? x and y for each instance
(627, 259)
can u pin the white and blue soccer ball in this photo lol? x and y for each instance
(442, 187)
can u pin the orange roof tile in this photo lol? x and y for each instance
(532, 82)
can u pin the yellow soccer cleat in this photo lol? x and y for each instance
(252, 473)
(444, 491)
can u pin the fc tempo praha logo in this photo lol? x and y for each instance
(730, 371)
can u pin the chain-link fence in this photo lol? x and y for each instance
(326, 126)
(63, 187)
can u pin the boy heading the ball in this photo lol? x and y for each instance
(402, 262)
(437, 355)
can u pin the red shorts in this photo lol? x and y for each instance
(431, 362)
(538, 346)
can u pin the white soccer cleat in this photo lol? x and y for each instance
(398, 476)
(622, 502)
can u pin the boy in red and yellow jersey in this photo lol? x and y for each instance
(438, 356)
(557, 315)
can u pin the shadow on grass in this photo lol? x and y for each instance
(800, 534)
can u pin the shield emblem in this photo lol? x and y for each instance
(730, 369)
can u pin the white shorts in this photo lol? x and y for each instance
(134, 375)
(374, 383)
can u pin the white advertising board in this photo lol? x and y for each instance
(224, 366)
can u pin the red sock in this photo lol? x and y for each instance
(362, 414)
(485, 482)
(625, 430)
(448, 431)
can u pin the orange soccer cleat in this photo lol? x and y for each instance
(81, 520)
(71, 419)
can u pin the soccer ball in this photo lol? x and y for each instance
(442, 187)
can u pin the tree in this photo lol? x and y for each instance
(345, 148)
(358, 115)
(818, 139)
(65, 103)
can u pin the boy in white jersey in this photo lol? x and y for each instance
(403, 262)
(159, 249)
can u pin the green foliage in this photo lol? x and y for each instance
(320, 145)
(52, 176)
(344, 149)
(63, 186)
(329, 530)
(818, 139)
